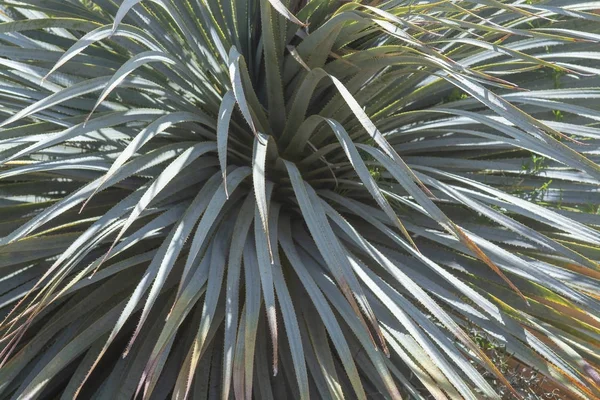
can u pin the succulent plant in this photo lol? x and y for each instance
(297, 199)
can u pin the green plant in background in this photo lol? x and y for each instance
(290, 199)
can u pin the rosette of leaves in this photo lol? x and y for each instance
(290, 199)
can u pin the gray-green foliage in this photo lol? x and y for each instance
(289, 199)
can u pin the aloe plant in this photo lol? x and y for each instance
(289, 199)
